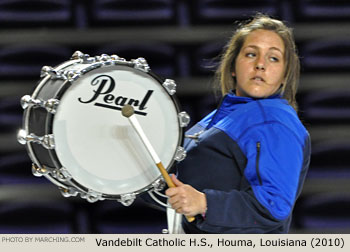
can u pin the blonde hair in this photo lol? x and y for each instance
(233, 47)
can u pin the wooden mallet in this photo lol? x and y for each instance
(128, 112)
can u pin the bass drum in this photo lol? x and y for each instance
(77, 138)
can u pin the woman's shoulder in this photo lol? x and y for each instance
(259, 113)
(263, 110)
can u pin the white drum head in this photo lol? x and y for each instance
(98, 146)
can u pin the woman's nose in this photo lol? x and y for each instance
(260, 67)
(260, 64)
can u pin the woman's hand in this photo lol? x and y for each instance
(185, 199)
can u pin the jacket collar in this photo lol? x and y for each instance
(231, 98)
(230, 102)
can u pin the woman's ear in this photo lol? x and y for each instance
(233, 74)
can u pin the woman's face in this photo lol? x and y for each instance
(260, 65)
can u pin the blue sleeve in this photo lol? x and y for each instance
(274, 161)
(278, 164)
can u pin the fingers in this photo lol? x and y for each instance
(180, 199)
(176, 203)
(179, 207)
(177, 198)
(175, 180)
(174, 190)
(185, 199)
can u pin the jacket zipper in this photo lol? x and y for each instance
(258, 145)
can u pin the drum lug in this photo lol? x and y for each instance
(184, 119)
(68, 192)
(61, 174)
(70, 75)
(85, 58)
(50, 105)
(77, 55)
(141, 64)
(117, 58)
(39, 171)
(89, 60)
(92, 196)
(170, 86)
(48, 70)
(106, 59)
(127, 199)
(180, 154)
(159, 184)
(46, 141)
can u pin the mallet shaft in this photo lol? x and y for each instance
(135, 124)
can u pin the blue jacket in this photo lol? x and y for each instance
(250, 158)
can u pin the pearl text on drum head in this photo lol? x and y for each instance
(105, 86)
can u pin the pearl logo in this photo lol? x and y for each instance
(105, 85)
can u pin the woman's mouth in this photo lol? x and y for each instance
(258, 79)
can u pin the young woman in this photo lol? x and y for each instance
(247, 160)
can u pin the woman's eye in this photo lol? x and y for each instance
(274, 59)
(250, 55)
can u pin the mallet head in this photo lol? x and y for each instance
(127, 111)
